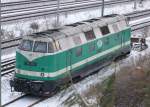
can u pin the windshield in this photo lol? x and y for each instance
(40, 47)
(26, 45)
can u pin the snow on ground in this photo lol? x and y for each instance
(29, 100)
(9, 56)
(6, 94)
(138, 21)
(8, 53)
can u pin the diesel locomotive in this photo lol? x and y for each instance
(45, 60)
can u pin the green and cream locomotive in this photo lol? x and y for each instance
(45, 60)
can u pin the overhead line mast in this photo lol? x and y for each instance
(58, 7)
(102, 12)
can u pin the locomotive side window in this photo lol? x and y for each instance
(40, 47)
(78, 51)
(26, 45)
(50, 48)
(89, 35)
(104, 30)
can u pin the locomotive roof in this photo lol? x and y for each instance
(71, 29)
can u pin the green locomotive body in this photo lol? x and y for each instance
(45, 60)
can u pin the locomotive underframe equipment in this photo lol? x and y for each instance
(37, 88)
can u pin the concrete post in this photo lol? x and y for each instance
(102, 12)
(135, 4)
(58, 7)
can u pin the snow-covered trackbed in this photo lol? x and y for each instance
(28, 100)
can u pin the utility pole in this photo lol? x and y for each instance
(102, 12)
(58, 7)
(135, 4)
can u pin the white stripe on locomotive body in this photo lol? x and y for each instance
(64, 70)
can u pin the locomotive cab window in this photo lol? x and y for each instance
(40, 47)
(104, 30)
(89, 35)
(50, 48)
(26, 45)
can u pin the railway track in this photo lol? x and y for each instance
(10, 102)
(38, 101)
(33, 101)
(140, 25)
(16, 3)
(64, 7)
(7, 66)
(11, 43)
(138, 14)
(32, 6)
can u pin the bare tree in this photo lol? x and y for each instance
(46, 23)
(34, 26)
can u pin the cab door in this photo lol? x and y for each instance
(69, 61)
(123, 39)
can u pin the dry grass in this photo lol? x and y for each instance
(132, 84)
(128, 88)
